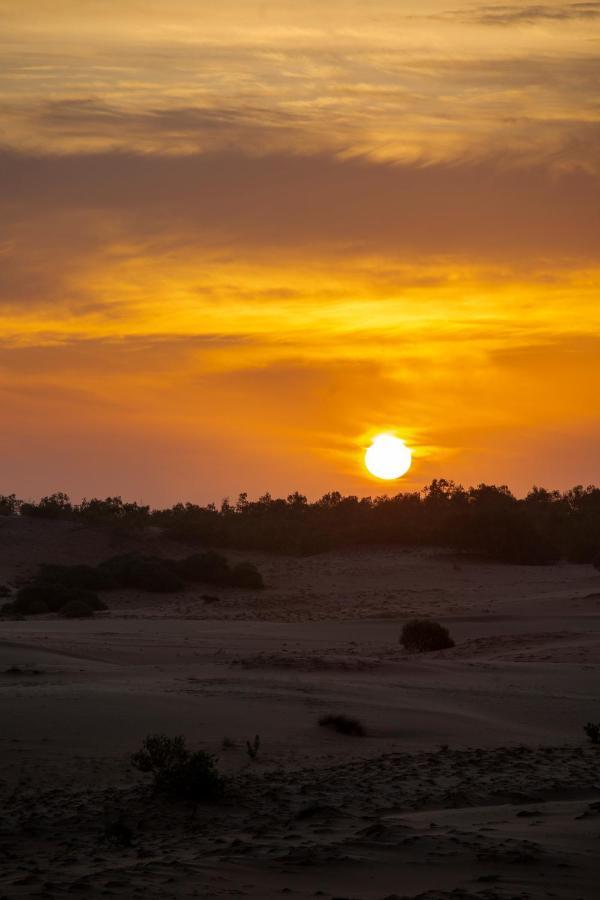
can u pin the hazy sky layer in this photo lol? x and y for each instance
(237, 239)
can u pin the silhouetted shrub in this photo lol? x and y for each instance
(246, 575)
(76, 609)
(9, 610)
(91, 578)
(343, 725)
(424, 635)
(9, 504)
(118, 833)
(40, 597)
(252, 747)
(52, 596)
(208, 567)
(55, 506)
(191, 776)
(132, 570)
(592, 730)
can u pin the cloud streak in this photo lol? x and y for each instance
(519, 14)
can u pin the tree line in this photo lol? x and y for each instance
(487, 520)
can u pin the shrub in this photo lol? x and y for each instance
(40, 597)
(30, 597)
(118, 833)
(246, 575)
(159, 754)
(208, 567)
(176, 771)
(132, 570)
(76, 609)
(252, 747)
(9, 610)
(56, 506)
(592, 730)
(424, 635)
(8, 504)
(87, 577)
(343, 725)
(37, 607)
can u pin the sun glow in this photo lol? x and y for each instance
(388, 457)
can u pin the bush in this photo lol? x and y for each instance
(209, 567)
(9, 610)
(177, 771)
(56, 506)
(424, 635)
(592, 730)
(90, 578)
(343, 725)
(252, 747)
(39, 597)
(132, 570)
(76, 609)
(246, 575)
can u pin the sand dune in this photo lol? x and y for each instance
(474, 779)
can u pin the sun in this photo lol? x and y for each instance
(388, 457)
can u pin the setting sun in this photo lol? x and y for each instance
(388, 457)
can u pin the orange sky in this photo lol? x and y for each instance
(238, 239)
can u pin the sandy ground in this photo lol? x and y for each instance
(474, 779)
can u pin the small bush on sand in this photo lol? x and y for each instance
(209, 567)
(592, 730)
(191, 776)
(424, 635)
(118, 833)
(76, 609)
(252, 747)
(343, 725)
(146, 573)
(9, 611)
(91, 578)
(246, 575)
(38, 598)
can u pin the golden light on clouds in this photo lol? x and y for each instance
(297, 224)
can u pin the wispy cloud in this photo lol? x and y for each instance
(523, 14)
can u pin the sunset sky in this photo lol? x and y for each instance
(238, 239)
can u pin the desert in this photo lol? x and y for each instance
(473, 779)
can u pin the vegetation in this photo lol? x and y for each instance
(541, 528)
(178, 772)
(55, 588)
(9, 611)
(146, 573)
(343, 725)
(424, 635)
(592, 730)
(252, 747)
(91, 578)
(42, 597)
(76, 609)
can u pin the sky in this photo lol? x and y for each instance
(239, 239)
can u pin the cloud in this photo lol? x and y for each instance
(504, 14)
(62, 208)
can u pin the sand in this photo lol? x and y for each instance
(474, 780)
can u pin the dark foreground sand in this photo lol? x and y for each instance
(474, 780)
